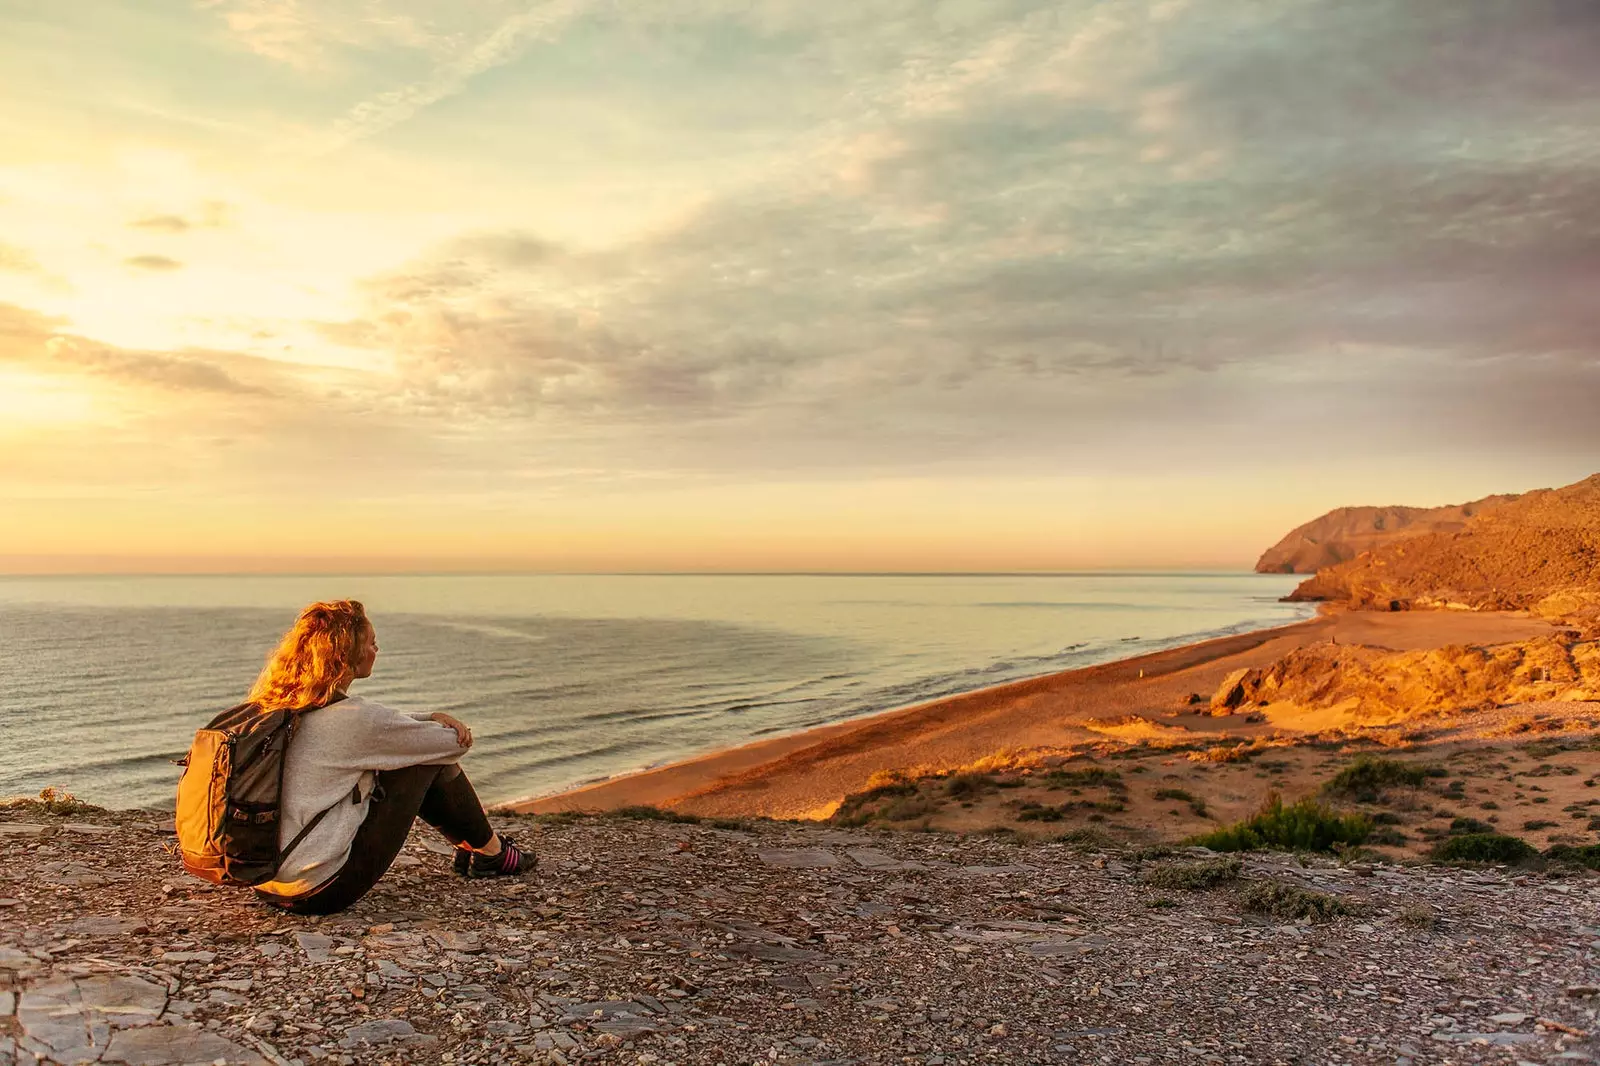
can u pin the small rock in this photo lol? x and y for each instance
(315, 945)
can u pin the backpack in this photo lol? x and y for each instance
(230, 793)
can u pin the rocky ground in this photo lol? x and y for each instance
(647, 941)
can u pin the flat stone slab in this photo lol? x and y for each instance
(773, 953)
(124, 1000)
(800, 858)
(14, 959)
(22, 829)
(315, 945)
(873, 859)
(72, 1020)
(378, 1031)
(177, 1045)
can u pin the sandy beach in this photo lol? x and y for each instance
(806, 774)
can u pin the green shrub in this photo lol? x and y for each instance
(1192, 876)
(1463, 825)
(907, 808)
(968, 786)
(1387, 836)
(1483, 847)
(1037, 813)
(1290, 901)
(1091, 777)
(1174, 794)
(1537, 824)
(1304, 826)
(1366, 778)
(852, 810)
(1581, 855)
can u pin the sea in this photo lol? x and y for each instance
(564, 679)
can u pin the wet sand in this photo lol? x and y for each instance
(806, 774)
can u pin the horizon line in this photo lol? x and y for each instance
(1068, 572)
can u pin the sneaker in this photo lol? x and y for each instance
(512, 860)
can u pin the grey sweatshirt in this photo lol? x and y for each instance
(335, 752)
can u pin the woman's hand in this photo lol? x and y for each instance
(463, 734)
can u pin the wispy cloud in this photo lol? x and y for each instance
(504, 43)
(18, 260)
(163, 223)
(153, 263)
(39, 342)
(211, 215)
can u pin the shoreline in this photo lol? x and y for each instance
(806, 774)
(524, 803)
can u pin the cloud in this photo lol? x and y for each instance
(502, 44)
(211, 215)
(18, 260)
(37, 341)
(303, 33)
(163, 223)
(157, 263)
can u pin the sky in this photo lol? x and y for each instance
(781, 284)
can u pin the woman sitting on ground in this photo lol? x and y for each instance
(373, 769)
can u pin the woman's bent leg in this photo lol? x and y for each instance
(452, 807)
(397, 798)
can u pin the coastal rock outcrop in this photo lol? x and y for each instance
(1346, 532)
(1538, 552)
(1378, 686)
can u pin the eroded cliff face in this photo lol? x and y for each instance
(1538, 552)
(1346, 532)
(1375, 686)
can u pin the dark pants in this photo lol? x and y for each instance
(439, 795)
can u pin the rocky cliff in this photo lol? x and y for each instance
(1346, 532)
(1539, 551)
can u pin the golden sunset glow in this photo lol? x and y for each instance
(572, 285)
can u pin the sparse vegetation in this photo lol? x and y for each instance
(1193, 876)
(654, 814)
(51, 800)
(969, 786)
(1417, 916)
(854, 810)
(559, 817)
(1483, 847)
(1368, 776)
(1283, 900)
(1197, 806)
(1091, 777)
(1303, 826)
(1387, 836)
(1580, 855)
(1537, 824)
(907, 808)
(1464, 825)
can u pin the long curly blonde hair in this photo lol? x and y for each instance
(316, 658)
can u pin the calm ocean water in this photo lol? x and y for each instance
(564, 678)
